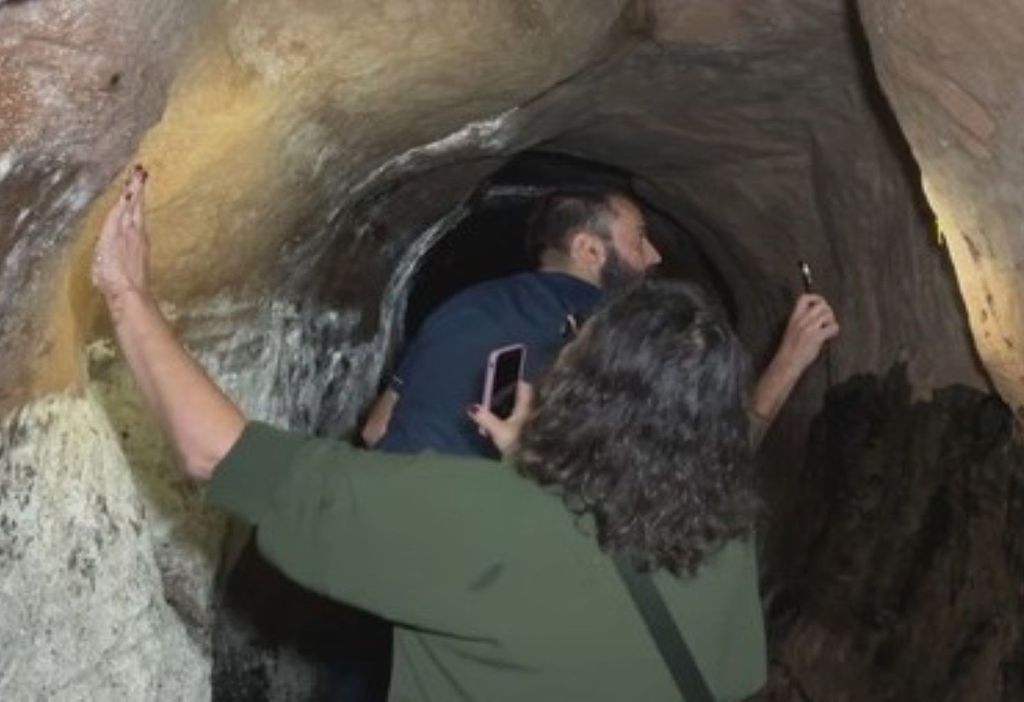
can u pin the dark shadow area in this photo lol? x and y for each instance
(337, 653)
(888, 123)
(907, 510)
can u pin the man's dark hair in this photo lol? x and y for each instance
(642, 424)
(563, 213)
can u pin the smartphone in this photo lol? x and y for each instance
(504, 370)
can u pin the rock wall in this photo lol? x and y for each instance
(952, 73)
(97, 599)
(79, 83)
(906, 571)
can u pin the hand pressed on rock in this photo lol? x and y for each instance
(121, 260)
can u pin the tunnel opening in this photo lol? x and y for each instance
(489, 240)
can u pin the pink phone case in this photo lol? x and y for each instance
(492, 366)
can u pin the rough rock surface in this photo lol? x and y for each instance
(86, 608)
(905, 579)
(952, 72)
(79, 82)
(306, 155)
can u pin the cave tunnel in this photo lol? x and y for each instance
(323, 174)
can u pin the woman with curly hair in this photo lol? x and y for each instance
(642, 424)
(501, 578)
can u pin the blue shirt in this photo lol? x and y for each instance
(442, 371)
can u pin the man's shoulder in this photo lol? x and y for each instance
(493, 293)
(531, 297)
(536, 283)
(498, 286)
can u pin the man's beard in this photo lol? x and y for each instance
(616, 273)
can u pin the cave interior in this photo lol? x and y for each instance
(325, 175)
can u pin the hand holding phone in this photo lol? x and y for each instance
(505, 433)
(504, 370)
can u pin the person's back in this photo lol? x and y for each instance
(443, 369)
(544, 615)
(498, 591)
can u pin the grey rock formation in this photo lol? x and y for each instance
(87, 571)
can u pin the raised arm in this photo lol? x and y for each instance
(811, 324)
(198, 419)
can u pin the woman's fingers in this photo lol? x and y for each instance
(120, 259)
(137, 188)
(104, 250)
(490, 423)
(504, 433)
(125, 221)
(811, 314)
(818, 317)
(805, 303)
(498, 430)
(112, 222)
(822, 328)
(814, 316)
(524, 402)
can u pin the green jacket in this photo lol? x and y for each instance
(498, 592)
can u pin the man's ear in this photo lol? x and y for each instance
(588, 250)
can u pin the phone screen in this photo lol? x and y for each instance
(504, 369)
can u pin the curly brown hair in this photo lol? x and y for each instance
(642, 424)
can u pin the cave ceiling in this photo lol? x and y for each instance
(278, 134)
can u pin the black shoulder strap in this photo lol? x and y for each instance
(666, 634)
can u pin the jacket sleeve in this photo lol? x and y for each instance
(408, 537)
